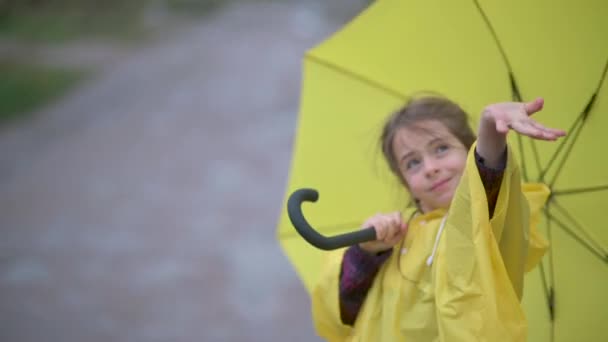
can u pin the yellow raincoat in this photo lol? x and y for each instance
(472, 289)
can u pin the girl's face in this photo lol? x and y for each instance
(431, 161)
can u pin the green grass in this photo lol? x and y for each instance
(49, 27)
(24, 88)
(60, 21)
(194, 7)
(65, 20)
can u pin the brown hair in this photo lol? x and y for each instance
(426, 107)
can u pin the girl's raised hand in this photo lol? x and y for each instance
(516, 116)
(390, 229)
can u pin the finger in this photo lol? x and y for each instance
(394, 222)
(527, 129)
(401, 233)
(381, 230)
(502, 127)
(559, 132)
(397, 219)
(537, 125)
(392, 228)
(378, 227)
(398, 237)
(534, 106)
(553, 131)
(387, 222)
(547, 131)
(542, 130)
(402, 230)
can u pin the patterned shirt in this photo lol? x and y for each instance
(359, 268)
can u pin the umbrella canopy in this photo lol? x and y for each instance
(476, 54)
(559, 51)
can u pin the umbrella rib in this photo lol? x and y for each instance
(548, 285)
(355, 75)
(563, 160)
(574, 126)
(536, 155)
(545, 288)
(576, 191)
(515, 93)
(592, 240)
(585, 244)
(524, 169)
(581, 118)
(550, 237)
(515, 89)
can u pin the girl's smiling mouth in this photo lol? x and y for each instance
(440, 184)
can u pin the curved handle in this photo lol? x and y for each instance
(294, 210)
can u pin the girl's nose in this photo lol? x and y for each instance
(431, 168)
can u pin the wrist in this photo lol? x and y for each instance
(487, 122)
(491, 143)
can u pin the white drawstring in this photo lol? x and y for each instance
(429, 261)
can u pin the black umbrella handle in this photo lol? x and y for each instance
(294, 210)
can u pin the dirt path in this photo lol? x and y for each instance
(143, 206)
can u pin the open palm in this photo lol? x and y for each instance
(516, 116)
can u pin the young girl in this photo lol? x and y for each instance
(454, 271)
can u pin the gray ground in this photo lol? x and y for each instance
(143, 206)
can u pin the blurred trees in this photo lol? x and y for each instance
(9, 7)
(50, 20)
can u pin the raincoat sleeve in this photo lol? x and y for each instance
(326, 301)
(357, 275)
(537, 195)
(479, 273)
(517, 213)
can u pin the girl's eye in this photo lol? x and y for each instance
(442, 148)
(411, 164)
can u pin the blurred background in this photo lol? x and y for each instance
(144, 153)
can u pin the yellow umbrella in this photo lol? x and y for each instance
(563, 56)
(475, 54)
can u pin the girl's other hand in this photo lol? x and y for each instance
(390, 229)
(516, 116)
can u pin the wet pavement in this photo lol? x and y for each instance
(143, 205)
